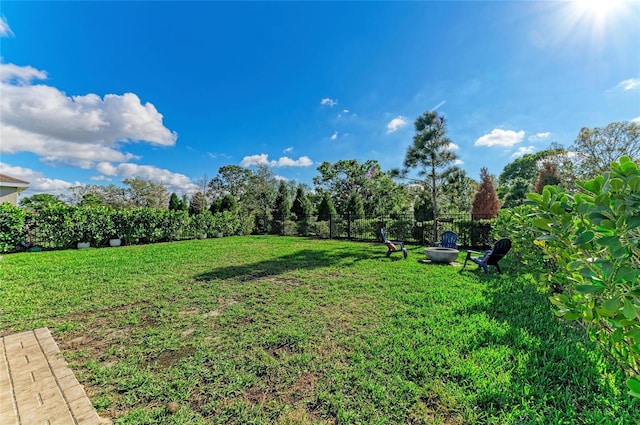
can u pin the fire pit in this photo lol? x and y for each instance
(439, 254)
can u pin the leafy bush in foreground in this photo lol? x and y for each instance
(11, 224)
(595, 238)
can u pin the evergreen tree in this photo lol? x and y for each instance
(174, 202)
(355, 207)
(215, 206)
(282, 207)
(485, 203)
(326, 208)
(228, 203)
(431, 154)
(198, 204)
(301, 207)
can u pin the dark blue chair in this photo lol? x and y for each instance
(448, 239)
(393, 246)
(491, 257)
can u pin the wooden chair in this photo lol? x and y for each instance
(393, 246)
(491, 257)
(448, 239)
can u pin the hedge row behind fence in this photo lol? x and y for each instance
(63, 226)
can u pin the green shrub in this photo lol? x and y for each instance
(595, 238)
(303, 227)
(363, 228)
(321, 229)
(399, 229)
(517, 224)
(247, 224)
(11, 226)
(91, 224)
(476, 232)
(204, 223)
(290, 228)
(228, 223)
(55, 227)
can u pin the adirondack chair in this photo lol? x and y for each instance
(448, 239)
(393, 246)
(490, 257)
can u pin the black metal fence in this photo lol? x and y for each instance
(472, 231)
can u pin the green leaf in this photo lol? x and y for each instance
(634, 386)
(589, 289)
(627, 274)
(617, 335)
(542, 223)
(628, 310)
(592, 186)
(588, 314)
(571, 315)
(611, 242)
(611, 305)
(575, 265)
(633, 222)
(616, 184)
(604, 232)
(634, 334)
(629, 168)
(607, 224)
(584, 238)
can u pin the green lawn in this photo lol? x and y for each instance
(265, 329)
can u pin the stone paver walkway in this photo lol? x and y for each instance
(36, 385)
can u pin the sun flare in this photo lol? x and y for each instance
(598, 9)
(600, 13)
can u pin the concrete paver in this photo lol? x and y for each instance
(37, 386)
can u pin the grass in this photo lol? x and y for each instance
(283, 330)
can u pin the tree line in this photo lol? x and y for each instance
(359, 189)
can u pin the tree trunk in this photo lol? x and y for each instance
(434, 202)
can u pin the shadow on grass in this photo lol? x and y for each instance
(304, 259)
(561, 372)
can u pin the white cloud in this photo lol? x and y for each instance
(280, 178)
(538, 136)
(76, 130)
(328, 102)
(637, 119)
(20, 74)
(458, 162)
(499, 137)
(522, 151)
(288, 150)
(334, 136)
(263, 159)
(453, 147)
(5, 30)
(396, 123)
(629, 84)
(175, 182)
(38, 183)
(100, 178)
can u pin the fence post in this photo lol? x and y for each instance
(330, 226)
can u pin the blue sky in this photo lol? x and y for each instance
(94, 92)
